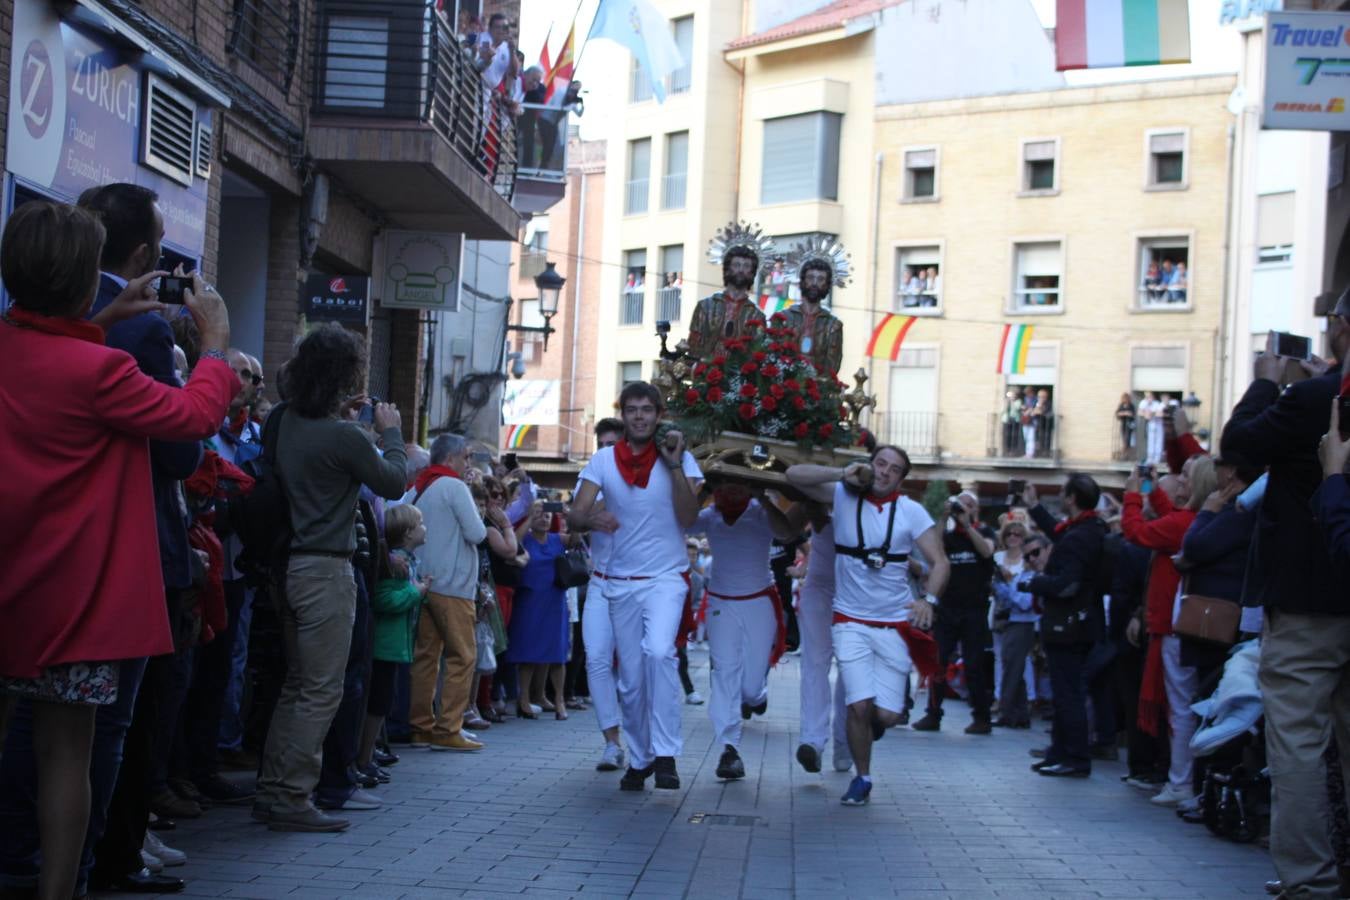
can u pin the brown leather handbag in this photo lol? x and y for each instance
(1209, 619)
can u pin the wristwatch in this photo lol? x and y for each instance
(215, 354)
(932, 600)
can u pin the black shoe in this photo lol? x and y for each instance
(634, 779)
(1037, 766)
(932, 721)
(729, 767)
(142, 882)
(384, 758)
(226, 793)
(762, 708)
(979, 726)
(1060, 770)
(809, 757)
(667, 779)
(362, 779)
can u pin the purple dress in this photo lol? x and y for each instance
(539, 629)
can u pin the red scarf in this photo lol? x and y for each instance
(880, 502)
(430, 474)
(730, 511)
(238, 421)
(60, 325)
(635, 468)
(205, 482)
(1076, 520)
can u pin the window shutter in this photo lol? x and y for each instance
(639, 159)
(1036, 151)
(921, 159)
(1039, 259)
(1174, 142)
(677, 153)
(790, 158)
(1275, 219)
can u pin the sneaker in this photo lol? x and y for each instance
(634, 779)
(152, 862)
(667, 779)
(843, 757)
(931, 721)
(1189, 806)
(1171, 796)
(307, 820)
(226, 793)
(359, 801)
(457, 741)
(694, 698)
(163, 852)
(980, 726)
(858, 792)
(809, 757)
(611, 760)
(730, 767)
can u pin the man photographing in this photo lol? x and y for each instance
(647, 507)
(875, 529)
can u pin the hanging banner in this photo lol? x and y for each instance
(1307, 71)
(531, 402)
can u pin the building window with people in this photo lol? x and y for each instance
(918, 273)
(672, 284)
(1164, 273)
(634, 287)
(1037, 268)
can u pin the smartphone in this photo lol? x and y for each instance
(553, 506)
(1146, 474)
(509, 460)
(1292, 346)
(1016, 487)
(1343, 402)
(173, 288)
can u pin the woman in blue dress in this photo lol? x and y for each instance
(538, 637)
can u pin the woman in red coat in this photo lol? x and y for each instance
(81, 586)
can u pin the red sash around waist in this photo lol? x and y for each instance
(923, 649)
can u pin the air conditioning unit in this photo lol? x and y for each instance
(205, 146)
(168, 131)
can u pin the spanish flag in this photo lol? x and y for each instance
(1093, 34)
(888, 336)
(1012, 350)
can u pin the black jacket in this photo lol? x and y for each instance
(1216, 546)
(1291, 568)
(1068, 587)
(1129, 583)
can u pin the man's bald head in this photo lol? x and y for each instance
(238, 361)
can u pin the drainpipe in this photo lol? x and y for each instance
(576, 295)
(1222, 352)
(876, 265)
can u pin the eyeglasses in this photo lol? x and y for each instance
(249, 377)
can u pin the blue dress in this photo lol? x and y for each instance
(539, 628)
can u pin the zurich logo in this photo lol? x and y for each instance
(36, 89)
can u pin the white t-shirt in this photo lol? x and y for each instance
(650, 540)
(820, 564)
(878, 595)
(599, 541)
(740, 551)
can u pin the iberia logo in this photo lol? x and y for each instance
(338, 286)
(1336, 105)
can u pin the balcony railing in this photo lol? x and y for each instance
(630, 306)
(916, 432)
(541, 138)
(391, 60)
(681, 79)
(641, 85)
(1128, 442)
(1040, 439)
(672, 191)
(668, 304)
(635, 196)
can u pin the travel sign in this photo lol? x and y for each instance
(1307, 71)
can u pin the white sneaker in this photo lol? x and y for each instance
(611, 760)
(693, 698)
(843, 759)
(162, 851)
(152, 862)
(536, 709)
(1189, 806)
(1170, 796)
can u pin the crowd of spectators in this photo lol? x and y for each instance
(922, 287)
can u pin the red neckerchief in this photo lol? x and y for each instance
(1069, 523)
(430, 474)
(880, 502)
(205, 482)
(635, 468)
(238, 421)
(59, 325)
(730, 511)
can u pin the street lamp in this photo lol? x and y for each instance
(550, 285)
(1192, 404)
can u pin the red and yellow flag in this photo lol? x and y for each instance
(888, 336)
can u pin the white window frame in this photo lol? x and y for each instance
(1139, 239)
(897, 247)
(1023, 184)
(629, 180)
(905, 184)
(627, 362)
(1185, 183)
(1011, 307)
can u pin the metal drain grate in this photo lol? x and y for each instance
(720, 819)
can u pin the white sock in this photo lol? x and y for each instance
(866, 779)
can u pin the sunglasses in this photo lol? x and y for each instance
(1032, 554)
(249, 377)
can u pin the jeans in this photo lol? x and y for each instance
(342, 744)
(1017, 639)
(1068, 683)
(317, 621)
(206, 698)
(970, 629)
(20, 855)
(231, 735)
(396, 724)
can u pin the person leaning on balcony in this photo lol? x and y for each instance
(1044, 420)
(1305, 647)
(1125, 421)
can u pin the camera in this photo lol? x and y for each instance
(956, 509)
(875, 560)
(663, 327)
(509, 460)
(1146, 474)
(173, 289)
(553, 506)
(367, 414)
(1016, 487)
(1292, 346)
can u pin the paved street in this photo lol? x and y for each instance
(951, 816)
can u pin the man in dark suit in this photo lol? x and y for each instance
(1068, 590)
(1305, 649)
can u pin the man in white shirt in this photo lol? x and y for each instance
(650, 499)
(745, 613)
(875, 527)
(597, 632)
(821, 715)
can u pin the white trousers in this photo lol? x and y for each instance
(646, 618)
(1155, 441)
(1181, 683)
(815, 610)
(741, 634)
(597, 633)
(1029, 439)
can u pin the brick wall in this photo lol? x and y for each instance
(405, 378)
(283, 284)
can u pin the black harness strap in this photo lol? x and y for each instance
(860, 551)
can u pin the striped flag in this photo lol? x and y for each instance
(888, 336)
(769, 304)
(560, 73)
(1093, 34)
(1012, 350)
(515, 436)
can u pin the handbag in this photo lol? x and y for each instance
(571, 569)
(1210, 619)
(484, 639)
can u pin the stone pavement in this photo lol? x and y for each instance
(951, 816)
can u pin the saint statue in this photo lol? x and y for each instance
(725, 315)
(821, 265)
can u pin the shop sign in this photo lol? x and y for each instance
(421, 269)
(1307, 71)
(337, 298)
(75, 120)
(531, 402)
(1231, 11)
